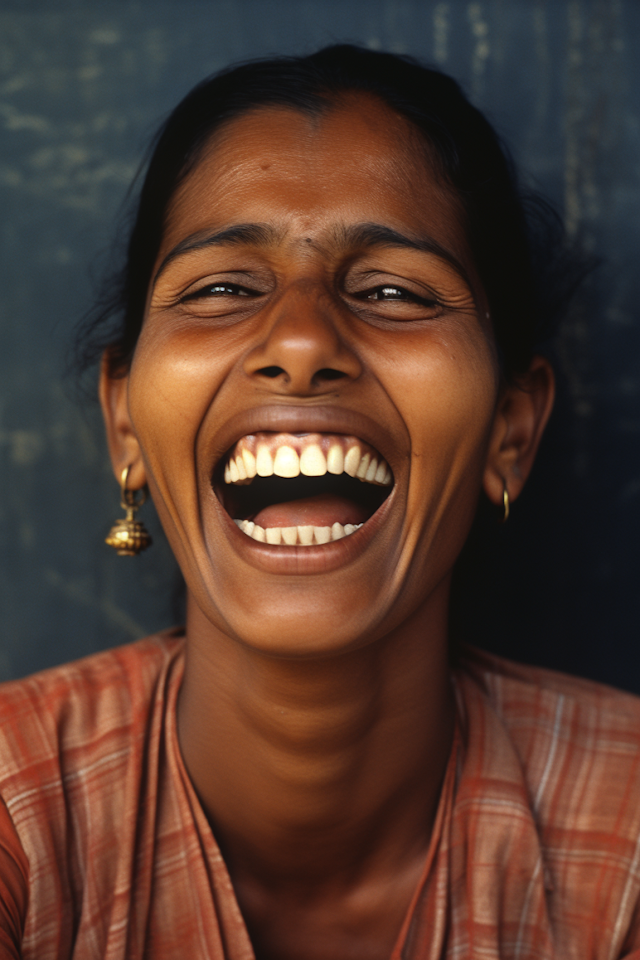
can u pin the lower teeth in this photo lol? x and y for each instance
(296, 536)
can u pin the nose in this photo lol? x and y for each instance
(303, 352)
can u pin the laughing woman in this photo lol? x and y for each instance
(325, 355)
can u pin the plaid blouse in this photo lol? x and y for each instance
(106, 853)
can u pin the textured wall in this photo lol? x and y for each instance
(82, 86)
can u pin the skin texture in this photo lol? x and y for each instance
(315, 717)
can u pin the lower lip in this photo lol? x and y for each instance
(306, 560)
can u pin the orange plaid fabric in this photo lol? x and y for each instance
(106, 853)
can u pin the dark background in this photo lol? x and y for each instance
(83, 85)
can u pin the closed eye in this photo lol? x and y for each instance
(389, 293)
(220, 290)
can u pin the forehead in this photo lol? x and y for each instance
(357, 161)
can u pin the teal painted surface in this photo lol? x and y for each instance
(82, 86)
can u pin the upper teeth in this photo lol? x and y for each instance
(284, 455)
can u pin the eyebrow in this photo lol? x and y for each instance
(377, 235)
(357, 235)
(258, 234)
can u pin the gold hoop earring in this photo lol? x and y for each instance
(129, 536)
(505, 503)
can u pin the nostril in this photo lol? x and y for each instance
(327, 373)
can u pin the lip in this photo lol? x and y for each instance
(281, 418)
(305, 560)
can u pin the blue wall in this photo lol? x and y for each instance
(82, 86)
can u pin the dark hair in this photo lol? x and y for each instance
(512, 238)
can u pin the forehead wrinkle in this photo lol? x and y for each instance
(257, 234)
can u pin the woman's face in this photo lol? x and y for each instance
(314, 308)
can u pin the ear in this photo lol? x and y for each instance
(521, 415)
(124, 448)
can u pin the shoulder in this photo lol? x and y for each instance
(578, 742)
(134, 664)
(81, 750)
(562, 757)
(59, 717)
(525, 695)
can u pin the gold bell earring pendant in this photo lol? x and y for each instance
(129, 536)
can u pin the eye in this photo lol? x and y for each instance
(396, 296)
(220, 290)
(389, 293)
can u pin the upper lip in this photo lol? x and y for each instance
(281, 418)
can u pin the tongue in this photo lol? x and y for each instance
(321, 511)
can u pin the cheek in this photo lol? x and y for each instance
(172, 383)
(445, 389)
(174, 378)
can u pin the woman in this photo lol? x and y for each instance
(326, 355)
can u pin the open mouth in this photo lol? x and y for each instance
(302, 489)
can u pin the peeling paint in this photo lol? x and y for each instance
(106, 36)
(25, 447)
(441, 33)
(14, 120)
(481, 49)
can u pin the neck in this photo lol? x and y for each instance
(319, 770)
